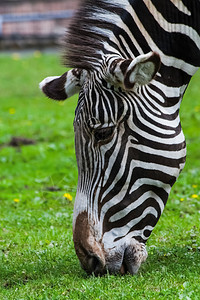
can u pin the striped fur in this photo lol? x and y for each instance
(130, 146)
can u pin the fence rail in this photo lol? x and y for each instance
(15, 18)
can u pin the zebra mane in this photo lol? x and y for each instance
(88, 32)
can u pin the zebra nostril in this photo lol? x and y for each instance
(134, 255)
(96, 266)
(123, 269)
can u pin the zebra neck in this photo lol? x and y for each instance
(130, 28)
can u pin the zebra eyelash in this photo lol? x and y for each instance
(103, 134)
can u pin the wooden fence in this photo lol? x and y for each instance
(38, 23)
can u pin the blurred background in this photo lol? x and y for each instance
(38, 176)
(34, 23)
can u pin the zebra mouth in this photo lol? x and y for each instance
(123, 262)
(131, 258)
(100, 257)
(96, 266)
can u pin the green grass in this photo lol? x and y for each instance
(37, 258)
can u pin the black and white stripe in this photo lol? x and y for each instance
(130, 146)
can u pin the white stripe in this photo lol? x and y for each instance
(124, 27)
(173, 27)
(122, 231)
(172, 171)
(127, 46)
(148, 181)
(161, 109)
(106, 16)
(161, 153)
(122, 213)
(148, 102)
(108, 238)
(170, 92)
(179, 138)
(140, 233)
(141, 181)
(179, 4)
(118, 3)
(150, 125)
(166, 60)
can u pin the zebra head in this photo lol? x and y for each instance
(129, 143)
(115, 208)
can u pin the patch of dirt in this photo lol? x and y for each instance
(52, 188)
(20, 141)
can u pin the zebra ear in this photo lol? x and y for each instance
(64, 86)
(129, 73)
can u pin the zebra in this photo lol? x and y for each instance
(132, 61)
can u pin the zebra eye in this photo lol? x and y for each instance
(103, 134)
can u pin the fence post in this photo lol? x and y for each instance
(1, 25)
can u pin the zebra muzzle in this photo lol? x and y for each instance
(133, 257)
(96, 257)
(127, 258)
(96, 266)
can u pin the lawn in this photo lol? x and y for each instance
(37, 190)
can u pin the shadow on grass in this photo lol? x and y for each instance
(176, 261)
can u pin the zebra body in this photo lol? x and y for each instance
(133, 61)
